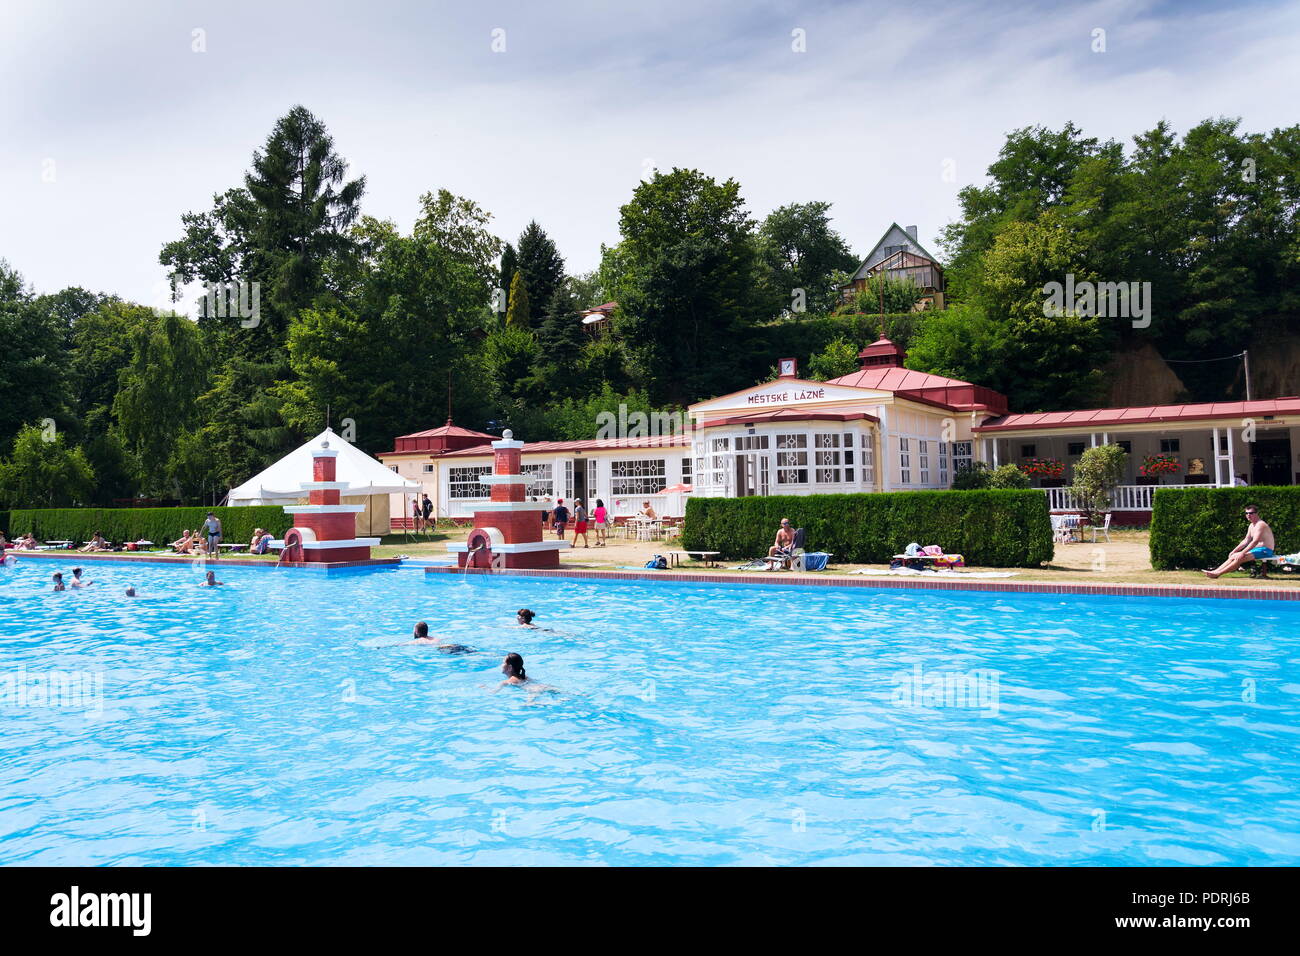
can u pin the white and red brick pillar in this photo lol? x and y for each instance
(508, 527)
(328, 527)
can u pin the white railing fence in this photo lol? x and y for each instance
(1125, 498)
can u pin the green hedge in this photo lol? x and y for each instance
(158, 525)
(1197, 527)
(1000, 529)
(4, 525)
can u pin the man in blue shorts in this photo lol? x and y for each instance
(1257, 544)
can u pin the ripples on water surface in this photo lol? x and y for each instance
(267, 722)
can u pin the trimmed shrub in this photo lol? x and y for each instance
(4, 525)
(1001, 529)
(159, 525)
(1197, 527)
(1008, 476)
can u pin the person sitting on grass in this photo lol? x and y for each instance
(96, 543)
(28, 542)
(184, 543)
(1257, 545)
(260, 543)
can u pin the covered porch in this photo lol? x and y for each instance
(1252, 443)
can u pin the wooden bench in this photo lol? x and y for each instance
(708, 557)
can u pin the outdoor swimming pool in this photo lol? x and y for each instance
(266, 723)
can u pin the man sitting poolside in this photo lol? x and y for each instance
(1257, 544)
(784, 541)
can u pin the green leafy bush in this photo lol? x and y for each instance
(159, 525)
(991, 528)
(971, 477)
(1197, 527)
(1008, 476)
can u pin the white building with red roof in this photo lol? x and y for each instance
(882, 428)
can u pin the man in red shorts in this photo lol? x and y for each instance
(579, 523)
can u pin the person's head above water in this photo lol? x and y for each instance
(130, 591)
(211, 577)
(525, 616)
(513, 666)
(422, 629)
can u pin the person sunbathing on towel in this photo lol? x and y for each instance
(1257, 544)
(784, 541)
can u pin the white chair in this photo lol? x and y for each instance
(1104, 529)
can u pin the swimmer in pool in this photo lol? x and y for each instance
(76, 579)
(58, 581)
(421, 636)
(130, 590)
(524, 617)
(513, 668)
(210, 580)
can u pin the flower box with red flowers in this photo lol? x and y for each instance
(1043, 467)
(1155, 465)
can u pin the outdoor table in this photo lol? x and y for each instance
(708, 557)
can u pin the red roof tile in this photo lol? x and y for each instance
(1143, 414)
(591, 444)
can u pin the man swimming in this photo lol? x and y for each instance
(1257, 545)
(210, 580)
(76, 579)
(421, 636)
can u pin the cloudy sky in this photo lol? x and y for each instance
(112, 124)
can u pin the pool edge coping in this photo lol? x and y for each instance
(1228, 592)
(228, 561)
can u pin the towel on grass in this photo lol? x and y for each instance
(946, 575)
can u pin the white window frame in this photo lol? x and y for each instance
(463, 478)
(633, 477)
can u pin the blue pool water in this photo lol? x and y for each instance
(268, 722)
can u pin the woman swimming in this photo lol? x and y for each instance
(513, 668)
(524, 617)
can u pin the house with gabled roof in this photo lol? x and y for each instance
(898, 255)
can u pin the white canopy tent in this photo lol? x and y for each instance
(370, 482)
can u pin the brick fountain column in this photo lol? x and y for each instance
(328, 528)
(508, 529)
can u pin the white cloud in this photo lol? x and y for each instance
(558, 127)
